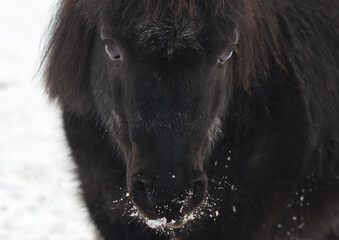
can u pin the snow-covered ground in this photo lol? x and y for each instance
(39, 197)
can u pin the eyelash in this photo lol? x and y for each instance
(112, 50)
(225, 56)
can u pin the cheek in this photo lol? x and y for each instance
(215, 129)
(119, 131)
(107, 92)
(219, 98)
(217, 94)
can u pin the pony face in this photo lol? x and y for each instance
(161, 87)
(158, 77)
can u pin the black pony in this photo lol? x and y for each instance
(196, 119)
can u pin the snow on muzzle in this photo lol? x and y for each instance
(167, 200)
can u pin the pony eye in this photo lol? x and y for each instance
(225, 56)
(112, 51)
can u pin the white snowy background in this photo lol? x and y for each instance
(39, 196)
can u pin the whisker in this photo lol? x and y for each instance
(220, 184)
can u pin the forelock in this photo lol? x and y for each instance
(169, 35)
(129, 12)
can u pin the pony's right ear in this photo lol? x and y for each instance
(68, 58)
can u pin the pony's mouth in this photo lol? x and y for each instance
(163, 223)
(172, 226)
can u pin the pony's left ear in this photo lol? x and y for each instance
(68, 57)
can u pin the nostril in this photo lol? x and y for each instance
(140, 193)
(198, 186)
(140, 188)
(199, 182)
(198, 190)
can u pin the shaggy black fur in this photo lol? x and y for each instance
(263, 128)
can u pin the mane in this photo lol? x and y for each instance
(74, 29)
